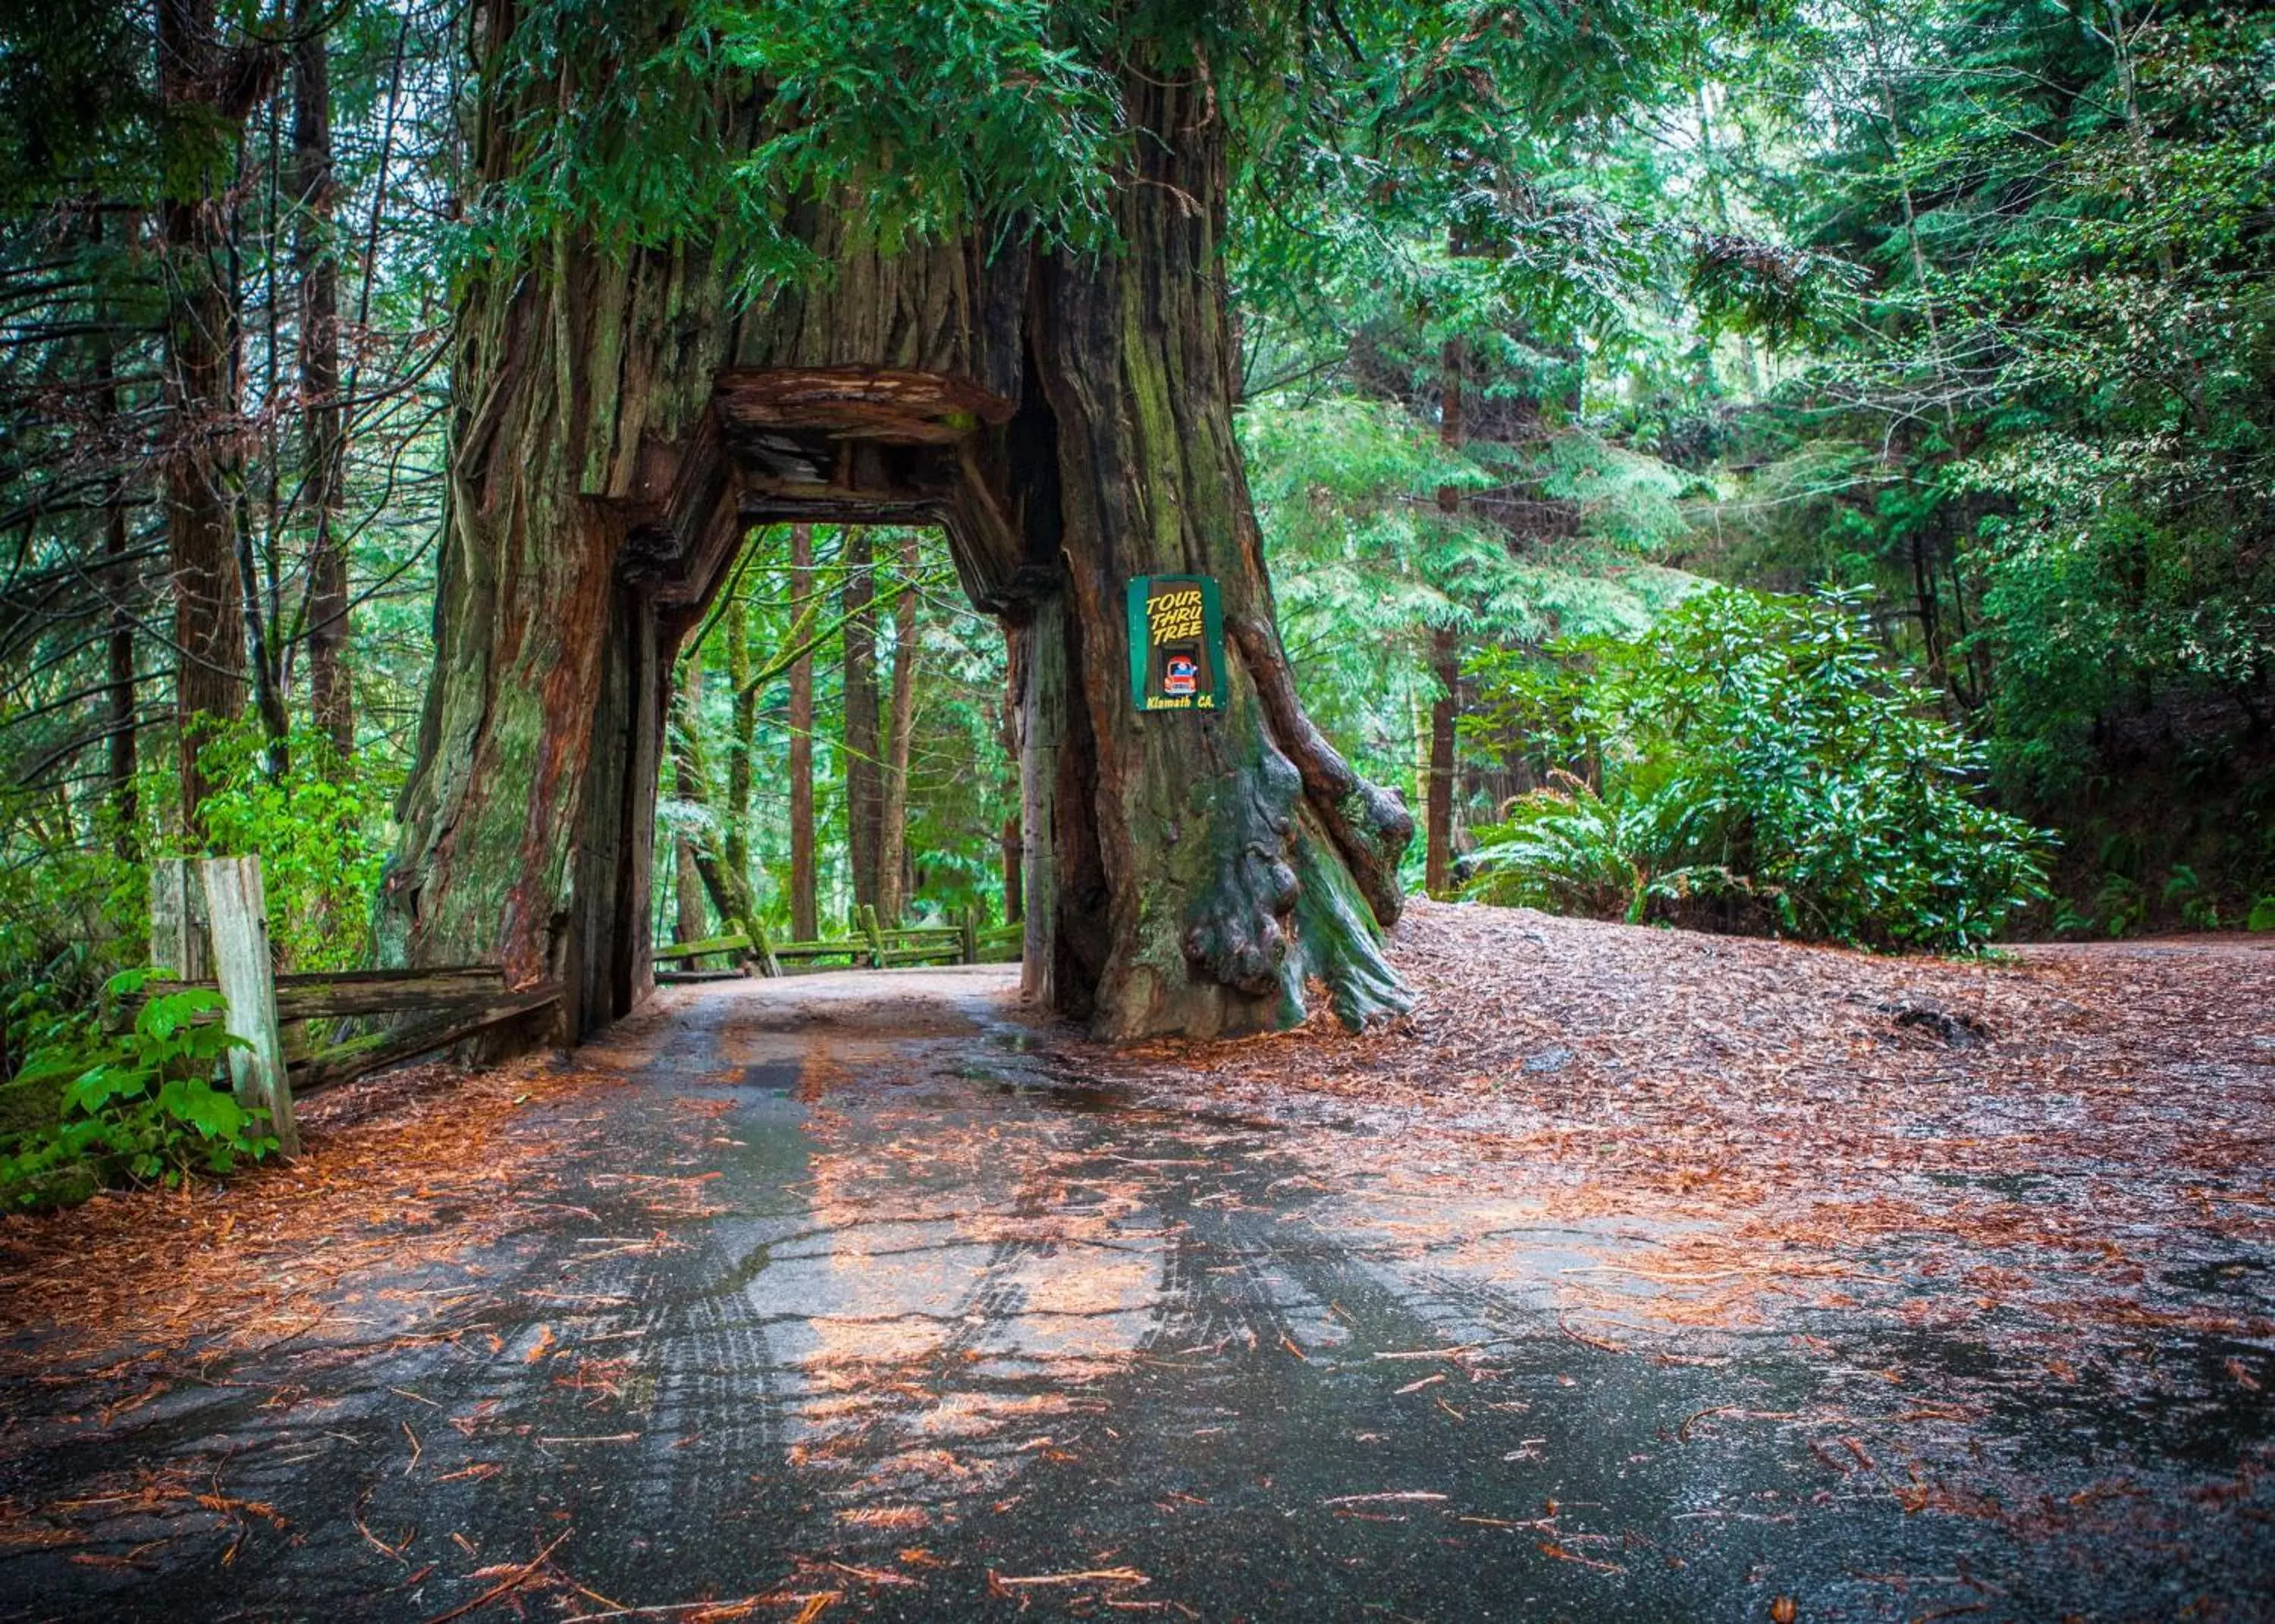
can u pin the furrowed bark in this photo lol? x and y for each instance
(581, 386)
(1015, 907)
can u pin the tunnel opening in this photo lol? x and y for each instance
(841, 756)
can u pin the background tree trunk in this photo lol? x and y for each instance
(893, 824)
(690, 920)
(200, 451)
(691, 923)
(322, 447)
(121, 720)
(119, 579)
(740, 743)
(1437, 851)
(864, 778)
(804, 914)
(1445, 664)
(703, 869)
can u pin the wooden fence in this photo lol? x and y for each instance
(209, 928)
(866, 944)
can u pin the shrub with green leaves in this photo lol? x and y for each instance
(141, 1106)
(1752, 762)
(322, 835)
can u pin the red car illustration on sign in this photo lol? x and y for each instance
(1181, 673)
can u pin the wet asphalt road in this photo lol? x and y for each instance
(867, 1323)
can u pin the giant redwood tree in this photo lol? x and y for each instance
(960, 262)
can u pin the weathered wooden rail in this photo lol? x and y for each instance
(209, 927)
(869, 944)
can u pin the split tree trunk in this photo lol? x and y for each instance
(804, 914)
(621, 424)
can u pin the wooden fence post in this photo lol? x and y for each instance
(178, 920)
(969, 943)
(876, 935)
(239, 908)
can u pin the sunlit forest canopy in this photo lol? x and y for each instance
(1910, 360)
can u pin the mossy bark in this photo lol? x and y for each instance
(1209, 827)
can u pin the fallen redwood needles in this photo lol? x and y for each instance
(1087, 1576)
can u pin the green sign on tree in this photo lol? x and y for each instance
(1176, 643)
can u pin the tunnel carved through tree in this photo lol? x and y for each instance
(1066, 422)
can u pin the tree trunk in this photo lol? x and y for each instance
(262, 654)
(120, 769)
(1015, 907)
(1438, 852)
(708, 872)
(1239, 857)
(322, 447)
(1445, 664)
(200, 451)
(691, 923)
(737, 816)
(864, 778)
(1925, 594)
(120, 580)
(893, 824)
(804, 913)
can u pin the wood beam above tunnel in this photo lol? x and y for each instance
(865, 403)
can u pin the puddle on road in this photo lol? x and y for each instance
(918, 1326)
